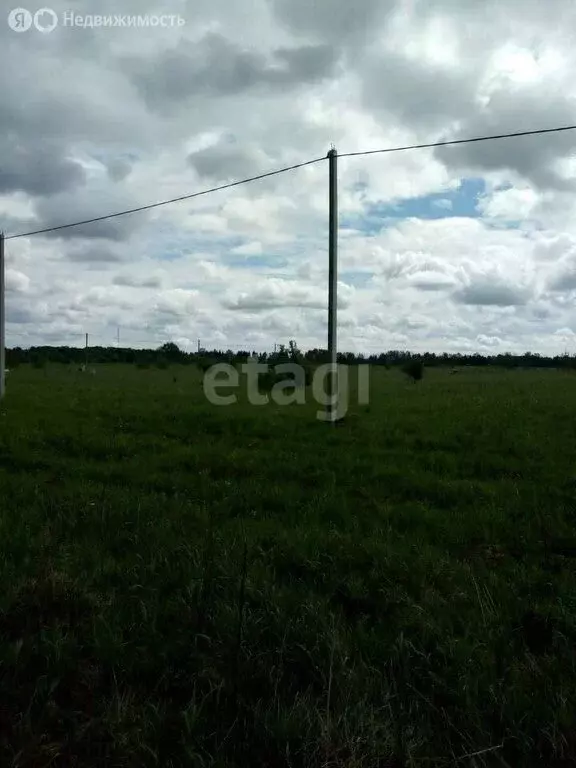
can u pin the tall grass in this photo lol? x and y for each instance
(185, 584)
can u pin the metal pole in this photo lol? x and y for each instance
(332, 409)
(2, 321)
(86, 354)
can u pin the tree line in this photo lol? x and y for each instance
(170, 354)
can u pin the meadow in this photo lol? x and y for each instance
(191, 585)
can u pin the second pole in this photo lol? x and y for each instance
(332, 410)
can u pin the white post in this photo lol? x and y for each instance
(2, 320)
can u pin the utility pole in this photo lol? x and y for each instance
(332, 409)
(86, 354)
(198, 346)
(2, 321)
(118, 337)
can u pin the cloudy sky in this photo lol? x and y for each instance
(463, 248)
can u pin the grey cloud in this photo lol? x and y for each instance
(275, 293)
(565, 277)
(175, 304)
(409, 324)
(414, 266)
(223, 161)
(532, 157)
(135, 282)
(68, 208)
(257, 303)
(218, 66)
(307, 63)
(338, 21)
(91, 254)
(540, 313)
(394, 266)
(13, 225)
(272, 295)
(61, 93)
(111, 229)
(416, 92)
(431, 283)
(20, 315)
(486, 292)
(38, 169)
(118, 170)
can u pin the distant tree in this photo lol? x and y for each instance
(414, 369)
(282, 355)
(57, 356)
(318, 356)
(14, 357)
(205, 363)
(294, 354)
(171, 352)
(143, 359)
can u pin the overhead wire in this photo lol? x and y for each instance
(429, 145)
(165, 202)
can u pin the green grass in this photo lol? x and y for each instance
(188, 585)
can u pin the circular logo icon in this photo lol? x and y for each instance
(20, 20)
(45, 20)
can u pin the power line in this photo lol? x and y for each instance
(460, 141)
(165, 202)
(291, 168)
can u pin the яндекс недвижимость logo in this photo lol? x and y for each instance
(21, 20)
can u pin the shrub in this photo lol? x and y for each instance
(414, 369)
(204, 364)
(268, 380)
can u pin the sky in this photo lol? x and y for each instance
(466, 248)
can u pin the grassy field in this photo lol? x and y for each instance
(188, 585)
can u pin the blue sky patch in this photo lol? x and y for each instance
(356, 279)
(255, 262)
(460, 202)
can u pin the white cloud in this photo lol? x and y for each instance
(248, 249)
(510, 204)
(17, 282)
